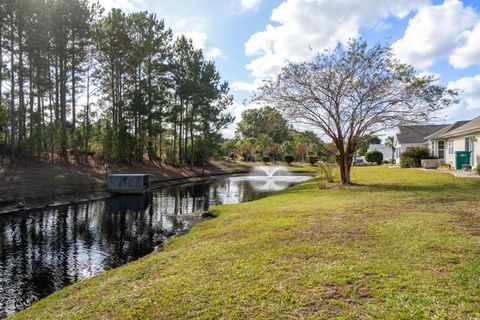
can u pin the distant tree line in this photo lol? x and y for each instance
(76, 82)
(264, 132)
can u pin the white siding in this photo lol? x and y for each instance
(401, 148)
(459, 145)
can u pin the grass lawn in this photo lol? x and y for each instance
(402, 244)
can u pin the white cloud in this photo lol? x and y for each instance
(469, 91)
(303, 26)
(214, 53)
(127, 5)
(199, 40)
(250, 4)
(247, 86)
(435, 31)
(469, 53)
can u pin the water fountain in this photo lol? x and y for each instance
(268, 171)
(271, 178)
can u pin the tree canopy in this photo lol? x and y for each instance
(266, 121)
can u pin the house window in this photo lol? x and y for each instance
(441, 149)
(450, 146)
(432, 148)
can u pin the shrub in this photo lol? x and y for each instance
(374, 156)
(232, 155)
(413, 157)
(312, 159)
(327, 170)
(266, 159)
(322, 183)
(407, 162)
(478, 169)
(289, 158)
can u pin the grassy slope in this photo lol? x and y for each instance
(404, 244)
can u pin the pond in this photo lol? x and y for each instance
(42, 251)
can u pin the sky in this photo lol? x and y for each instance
(250, 40)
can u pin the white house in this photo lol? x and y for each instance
(413, 136)
(460, 136)
(386, 151)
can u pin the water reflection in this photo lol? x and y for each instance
(45, 250)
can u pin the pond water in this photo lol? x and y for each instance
(45, 250)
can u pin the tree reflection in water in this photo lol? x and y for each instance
(45, 250)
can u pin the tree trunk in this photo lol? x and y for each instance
(87, 115)
(151, 155)
(32, 99)
(12, 91)
(345, 167)
(21, 92)
(74, 88)
(174, 153)
(160, 145)
(57, 91)
(180, 132)
(1, 70)
(63, 108)
(192, 155)
(44, 136)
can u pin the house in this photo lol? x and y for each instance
(413, 136)
(386, 151)
(460, 136)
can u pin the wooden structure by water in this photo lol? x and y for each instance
(129, 183)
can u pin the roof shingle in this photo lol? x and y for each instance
(418, 133)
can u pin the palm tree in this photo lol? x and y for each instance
(390, 142)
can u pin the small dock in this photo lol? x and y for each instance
(128, 183)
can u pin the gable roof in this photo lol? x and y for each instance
(417, 134)
(470, 126)
(375, 146)
(445, 131)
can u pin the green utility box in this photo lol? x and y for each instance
(462, 158)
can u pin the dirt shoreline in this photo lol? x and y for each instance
(36, 187)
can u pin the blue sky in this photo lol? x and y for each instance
(251, 39)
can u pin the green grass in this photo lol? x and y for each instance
(402, 244)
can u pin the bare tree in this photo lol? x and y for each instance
(352, 91)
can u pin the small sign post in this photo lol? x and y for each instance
(106, 165)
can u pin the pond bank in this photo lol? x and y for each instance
(36, 185)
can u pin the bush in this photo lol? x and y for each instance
(289, 158)
(412, 158)
(374, 156)
(322, 183)
(407, 162)
(478, 169)
(266, 159)
(327, 170)
(312, 159)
